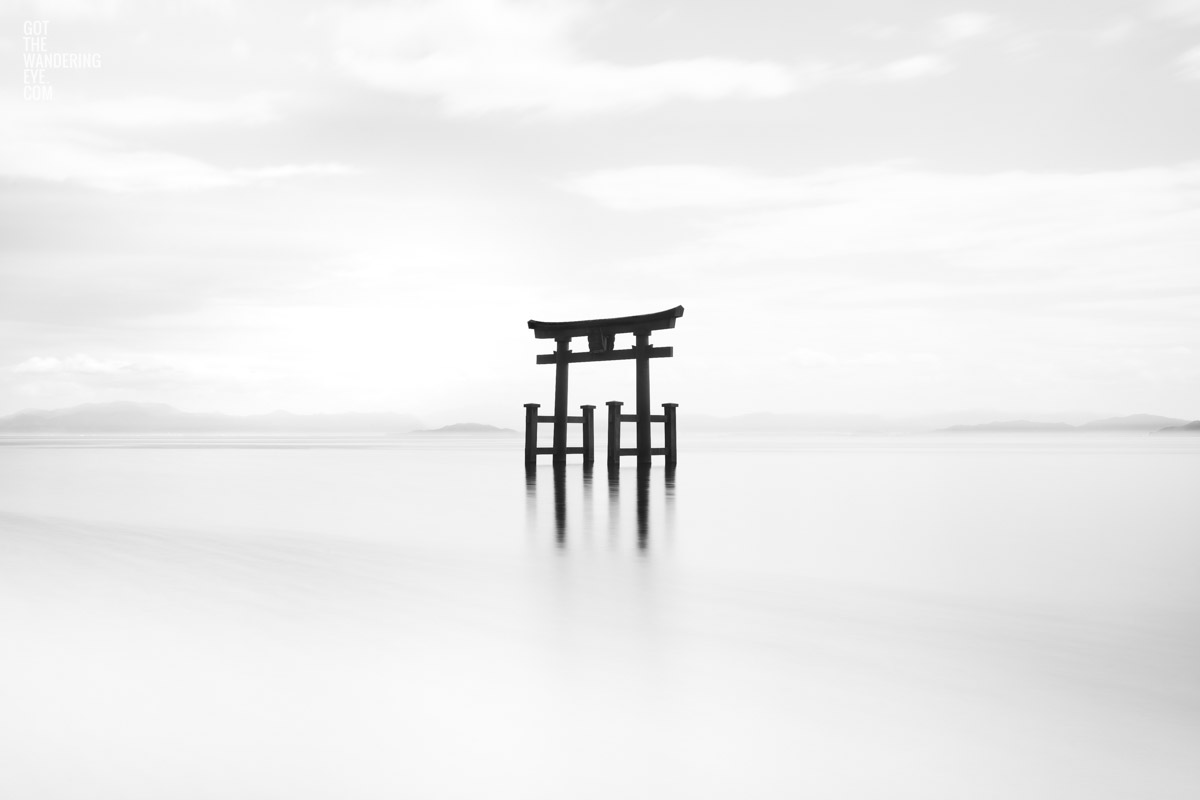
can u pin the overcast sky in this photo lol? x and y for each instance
(891, 207)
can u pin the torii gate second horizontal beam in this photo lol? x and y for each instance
(609, 355)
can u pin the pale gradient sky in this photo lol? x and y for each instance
(865, 206)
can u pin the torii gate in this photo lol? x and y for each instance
(601, 334)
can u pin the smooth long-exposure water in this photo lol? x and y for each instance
(911, 617)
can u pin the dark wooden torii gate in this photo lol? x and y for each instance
(601, 335)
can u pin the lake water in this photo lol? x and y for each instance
(908, 617)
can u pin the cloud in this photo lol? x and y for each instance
(480, 56)
(83, 377)
(157, 111)
(804, 358)
(686, 185)
(76, 9)
(1139, 222)
(964, 25)
(1184, 11)
(1115, 32)
(242, 176)
(86, 143)
(1189, 64)
(40, 148)
(83, 364)
(142, 171)
(912, 68)
(134, 369)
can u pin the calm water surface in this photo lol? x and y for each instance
(913, 617)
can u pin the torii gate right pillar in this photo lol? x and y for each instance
(561, 364)
(643, 397)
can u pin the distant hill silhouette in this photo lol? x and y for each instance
(845, 423)
(1191, 427)
(126, 417)
(1133, 423)
(1013, 426)
(469, 427)
(129, 417)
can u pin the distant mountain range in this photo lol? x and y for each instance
(978, 421)
(470, 427)
(1134, 423)
(125, 417)
(1013, 426)
(1191, 427)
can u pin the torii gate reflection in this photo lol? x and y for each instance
(645, 481)
(601, 335)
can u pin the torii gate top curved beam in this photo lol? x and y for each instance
(641, 323)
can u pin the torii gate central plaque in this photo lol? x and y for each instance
(601, 335)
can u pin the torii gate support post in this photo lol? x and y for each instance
(589, 434)
(643, 397)
(669, 438)
(560, 400)
(614, 433)
(531, 421)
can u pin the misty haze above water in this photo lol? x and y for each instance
(131, 418)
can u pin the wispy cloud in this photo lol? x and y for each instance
(687, 185)
(483, 56)
(87, 377)
(142, 171)
(1115, 32)
(1185, 11)
(43, 148)
(159, 111)
(912, 68)
(479, 56)
(80, 363)
(804, 358)
(1189, 64)
(954, 28)
(88, 370)
(1141, 219)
